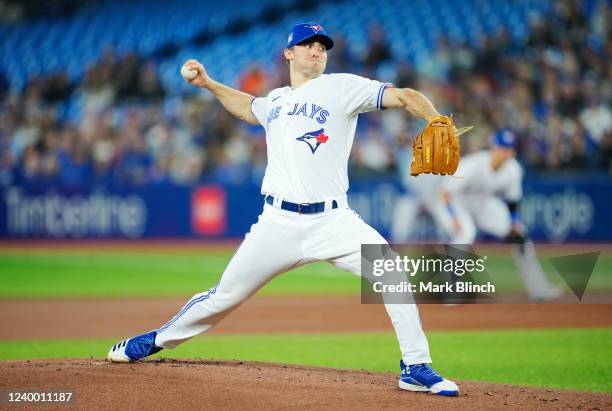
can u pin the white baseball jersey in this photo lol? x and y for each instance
(309, 134)
(475, 178)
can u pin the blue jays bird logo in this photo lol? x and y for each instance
(317, 28)
(314, 139)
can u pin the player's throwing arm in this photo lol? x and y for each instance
(235, 101)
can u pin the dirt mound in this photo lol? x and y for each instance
(170, 384)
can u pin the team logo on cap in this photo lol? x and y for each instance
(317, 28)
(504, 138)
(508, 137)
(314, 139)
(290, 38)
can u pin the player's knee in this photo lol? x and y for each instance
(218, 300)
(227, 300)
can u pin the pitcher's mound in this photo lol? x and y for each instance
(203, 384)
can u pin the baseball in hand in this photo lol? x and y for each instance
(188, 74)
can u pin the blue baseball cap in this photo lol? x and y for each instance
(504, 138)
(306, 31)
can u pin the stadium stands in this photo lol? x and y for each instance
(95, 96)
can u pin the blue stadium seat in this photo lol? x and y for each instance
(48, 45)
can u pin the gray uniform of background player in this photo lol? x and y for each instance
(477, 200)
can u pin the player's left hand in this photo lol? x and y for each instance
(518, 227)
(456, 225)
(517, 234)
(436, 149)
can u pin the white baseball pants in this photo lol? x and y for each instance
(282, 240)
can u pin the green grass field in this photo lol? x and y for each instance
(568, 358)
(64, 274)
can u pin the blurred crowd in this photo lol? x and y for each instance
(118, 126)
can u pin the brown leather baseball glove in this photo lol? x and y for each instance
(436, 149)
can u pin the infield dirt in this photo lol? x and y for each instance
(165, 384)
(197, 384)
(42, 319)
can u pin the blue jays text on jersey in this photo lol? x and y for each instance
(308, 110)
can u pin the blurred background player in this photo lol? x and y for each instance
(485, 197)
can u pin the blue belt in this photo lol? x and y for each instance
(304, 208)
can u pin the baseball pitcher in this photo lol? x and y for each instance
(310, 126)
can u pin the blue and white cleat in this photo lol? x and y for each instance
(134, 349)
(422, 378)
